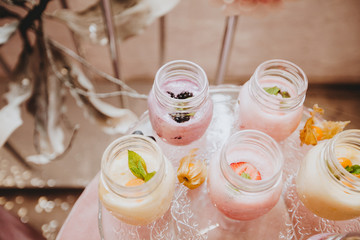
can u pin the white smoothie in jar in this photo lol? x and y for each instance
(325, 187)
(141, 204)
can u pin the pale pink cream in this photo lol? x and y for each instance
(279, 123)
(166, 127)
(237, 204)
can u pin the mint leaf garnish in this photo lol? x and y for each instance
(285, 94)
(149, 176)
(272, 90)
(245, 175)
(137, 166)
(354, 169)
(275, 91)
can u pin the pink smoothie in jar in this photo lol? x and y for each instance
(237, 196)
(277, 114)
(180, 108)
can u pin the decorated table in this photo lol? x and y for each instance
(192, 214)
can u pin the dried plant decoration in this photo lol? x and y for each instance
(7, 31)
(131, 17)
(111, 119)
(45, 71)
(317, 129)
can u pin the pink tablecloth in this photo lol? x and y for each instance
(82, 222)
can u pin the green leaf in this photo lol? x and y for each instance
(141, 170)
(272, 90)
(354, 169)
(275, 91)
(245, 175)
(137, 165)
(149, 176)
(285, 94)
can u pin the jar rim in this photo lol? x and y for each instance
(349, 138)
(269, 145)
(193, 102)
(111, 152)
(286, 70)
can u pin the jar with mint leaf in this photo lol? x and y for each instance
(272, 100)
(328, 181)
(136, 186)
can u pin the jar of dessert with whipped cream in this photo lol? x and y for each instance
(180, 107)
(328, 181)
(272, 100)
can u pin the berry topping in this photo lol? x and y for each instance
(152, 137)
(180, 117)
(246, 170)
(172, 95)
(137, 132)
(184, 95)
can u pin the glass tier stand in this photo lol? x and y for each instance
(193, 216)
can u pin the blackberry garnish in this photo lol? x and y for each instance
(184, 95)
(137, 132)
(152, 137)
(180, 117)
(172, 95)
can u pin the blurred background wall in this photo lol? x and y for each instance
(321, 36)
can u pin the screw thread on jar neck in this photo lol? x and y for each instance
(345, 236)
(349, 139)
(283, 72)
(260, 143)
(125, 143)
(181, 70)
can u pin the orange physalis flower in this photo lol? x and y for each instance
(316, 130)
(191, 172)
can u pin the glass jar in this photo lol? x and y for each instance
(335, 236)
(137, 204)
(275, 112)
(324, 186)
(238, 197)
(180, 107)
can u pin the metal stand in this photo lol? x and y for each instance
(110, 29)
(228, 39)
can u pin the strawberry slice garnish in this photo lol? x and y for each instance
(246, 170)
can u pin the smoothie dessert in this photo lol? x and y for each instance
(137, 182)
(272, 100)
(328, 181)
(245, 178)
(180, 108)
